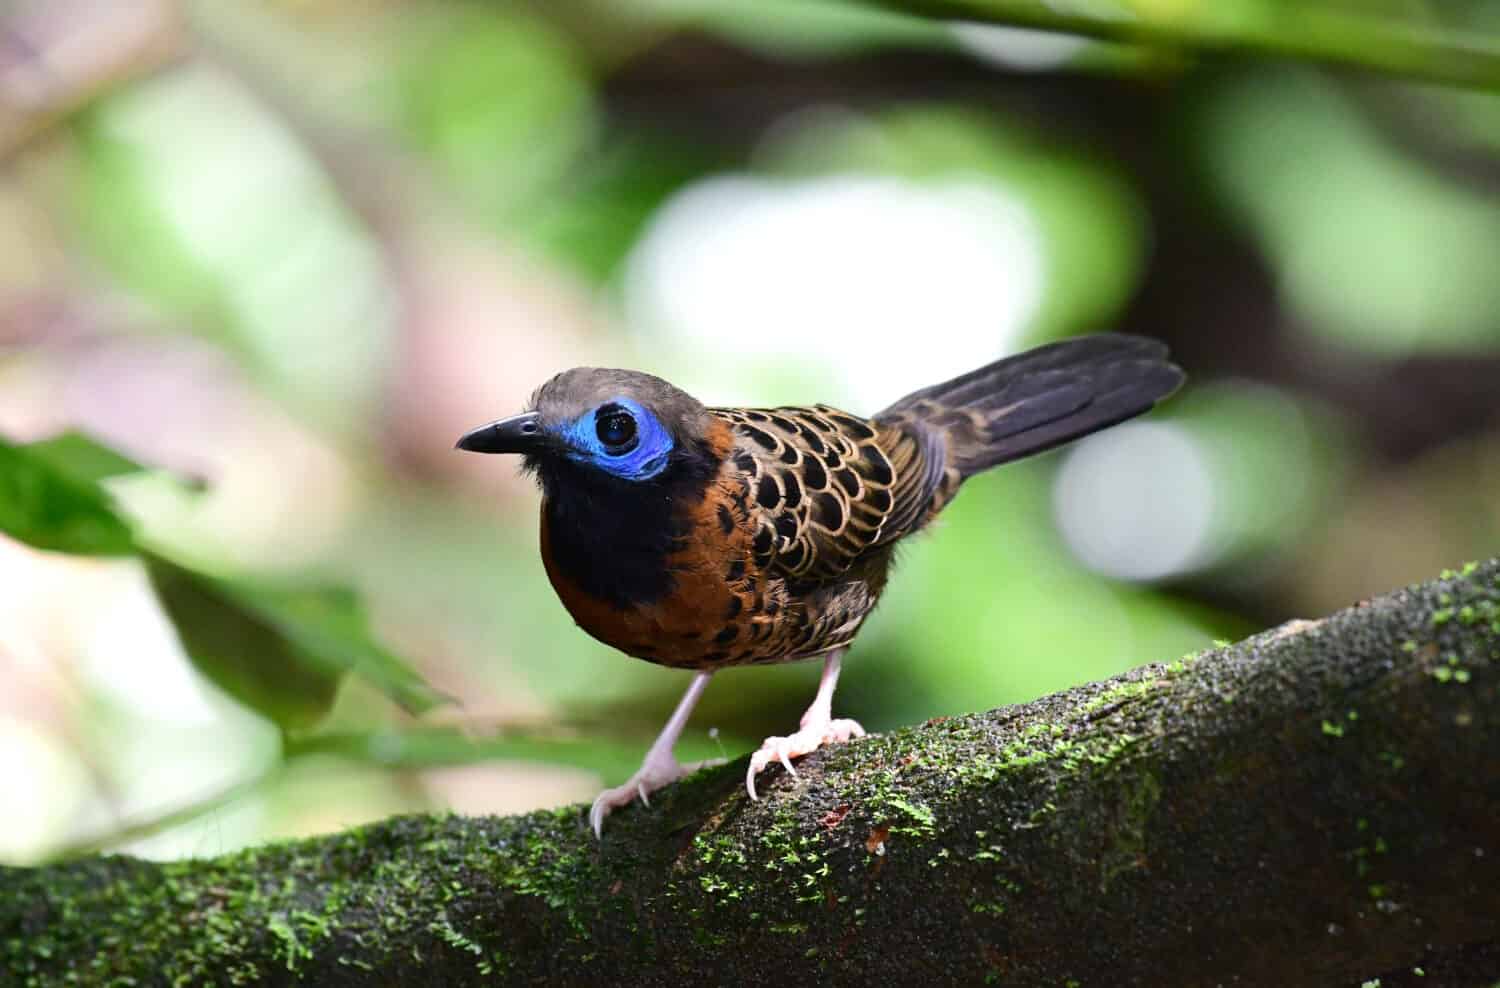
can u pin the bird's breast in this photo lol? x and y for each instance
(719, 608)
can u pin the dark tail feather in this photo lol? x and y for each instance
(1036, 400)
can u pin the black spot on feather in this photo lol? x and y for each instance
(810, 437)
(876, 467)
(828, 511)
(761, 437)
(793, 557)
(793, 489)
(814, 474)
(767, 494)
(853, 427)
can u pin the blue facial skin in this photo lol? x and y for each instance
(644, 460)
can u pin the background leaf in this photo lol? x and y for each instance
(281, 651)
(327, 626)
(82, 458)
(48, 506)
(245, 655)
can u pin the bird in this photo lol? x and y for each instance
(702, 538)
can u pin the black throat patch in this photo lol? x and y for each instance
(611, 537)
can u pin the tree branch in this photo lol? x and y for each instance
(1420, 46)
(1316, 805)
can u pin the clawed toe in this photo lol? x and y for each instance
(652, 776)
(783, 749)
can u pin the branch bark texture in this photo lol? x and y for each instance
(1317, 805)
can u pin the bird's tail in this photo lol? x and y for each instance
(1039, 399)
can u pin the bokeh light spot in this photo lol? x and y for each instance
(886, 283)
(1136, 502)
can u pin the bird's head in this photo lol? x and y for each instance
(592, 423)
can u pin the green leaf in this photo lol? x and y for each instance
(82, 458)
(282, 651)
(245, 655)
(49, 499)
(327, 625)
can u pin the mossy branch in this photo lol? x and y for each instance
(1316, 805)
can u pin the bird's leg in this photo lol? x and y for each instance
(660, 766)
(818, 727)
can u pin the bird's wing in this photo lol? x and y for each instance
(826, 486)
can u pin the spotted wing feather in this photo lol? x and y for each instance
(825, 486)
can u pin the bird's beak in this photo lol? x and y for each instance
(517, 434)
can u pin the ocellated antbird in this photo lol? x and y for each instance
(702, 538)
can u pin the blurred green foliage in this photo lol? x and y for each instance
(1372, 247)
(282, 650)
(501, 102)
(48, 503)
(391, 221)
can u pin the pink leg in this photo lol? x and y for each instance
(818, 727)
(660, 766)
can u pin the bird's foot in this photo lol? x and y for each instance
(815, 733)
(655, 772)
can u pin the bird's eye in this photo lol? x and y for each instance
(616, 430)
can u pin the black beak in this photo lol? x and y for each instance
(517, 434)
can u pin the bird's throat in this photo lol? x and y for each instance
(612, 539)
(619, 558)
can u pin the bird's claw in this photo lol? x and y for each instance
(653, 774)
(810, 738)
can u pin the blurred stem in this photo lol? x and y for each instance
(184, 814)
(408, 749)
(1277, 29)
(433, 747)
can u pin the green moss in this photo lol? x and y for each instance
(1120, 693)
(420, 878)
(1127, 847)
(921, 820)
(723, 868)
(551, 866)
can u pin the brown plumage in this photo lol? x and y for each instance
(704, 537)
